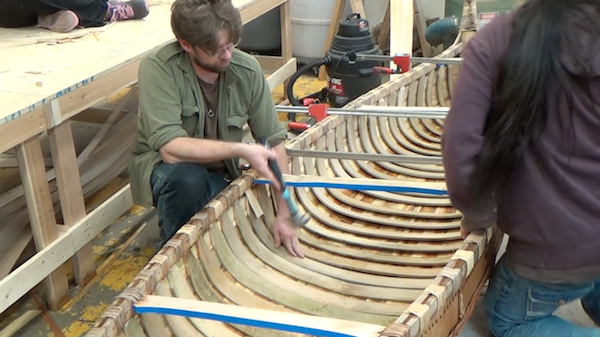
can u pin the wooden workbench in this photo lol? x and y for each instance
(47, 78)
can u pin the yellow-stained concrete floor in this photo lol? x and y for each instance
(79, 315)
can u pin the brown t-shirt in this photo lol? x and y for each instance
(210, 92)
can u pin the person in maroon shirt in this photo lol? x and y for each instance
(521, 149)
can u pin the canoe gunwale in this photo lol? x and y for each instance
(456, 287)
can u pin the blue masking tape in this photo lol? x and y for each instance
(238, 320)
(359, 187)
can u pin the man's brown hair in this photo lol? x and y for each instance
(199, 22)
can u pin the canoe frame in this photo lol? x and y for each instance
(442, 307)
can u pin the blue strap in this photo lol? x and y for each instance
(239, 320)
(359, 187)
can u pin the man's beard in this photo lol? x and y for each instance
(214, 68)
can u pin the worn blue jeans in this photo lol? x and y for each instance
(179, 191)
(517, 306)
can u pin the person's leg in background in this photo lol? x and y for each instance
(180, 191)
(519, 307)
(65, 15)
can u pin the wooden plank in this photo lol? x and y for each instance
(292, 322)
(21, 129)
(269, 64)
(51, 258)
(74, 102)
(401, 28)
(357, 7)
(338, 12)
(282, 74)
(286, 31)
(426, 48)
(250, 10)
(68, 181)
(11, 162)
(384, 30)
(19, 323)
(41, 217)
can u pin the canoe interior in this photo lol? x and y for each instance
(384, 258)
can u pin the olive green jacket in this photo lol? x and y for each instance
(171, 105)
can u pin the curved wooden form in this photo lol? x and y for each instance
(392, 263)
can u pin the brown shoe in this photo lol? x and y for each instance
(62, 21)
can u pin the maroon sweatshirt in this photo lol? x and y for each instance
(550, 207)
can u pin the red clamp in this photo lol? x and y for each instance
(298, 126)
(402, 61)
(318, 111)
(384, 70)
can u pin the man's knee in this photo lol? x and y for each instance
(188, 177)
(180, 177)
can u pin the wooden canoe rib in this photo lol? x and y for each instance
(385, 263)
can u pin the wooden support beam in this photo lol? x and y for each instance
(282, 74)
(426, 48)
(285, 18)
(262, 318)
(54, 255)
(401, 28)
(357, 7)
(43, 223)
(338, 12)
(68, 181)
(384, 30)
(22, 128)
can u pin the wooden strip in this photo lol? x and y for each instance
(51, 258)
(22, 128)
(251, 10)
(282, 74)
(15, 249)
(365, 137)
(350, 251)
(348, 269)
(70, 193)
(343, 170)
(292, 283)
(16, 325)
(401, 28)
(179, 325)
(368, 156)
(314, 325)
(338, 12)
(399, 209)
(43, 223)
(204, 290)
(281, 293)
(181, 289)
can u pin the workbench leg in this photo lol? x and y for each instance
(41, 214)
(286, 38)
(70, 193)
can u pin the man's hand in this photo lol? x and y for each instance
(283, 229)
(258, 157)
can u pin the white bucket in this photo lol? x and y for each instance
(311, 19)
(310, 24)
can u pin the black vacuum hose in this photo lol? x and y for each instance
(290, 91)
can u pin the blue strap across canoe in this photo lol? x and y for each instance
(361, 187)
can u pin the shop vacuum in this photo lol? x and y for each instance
(348, 77)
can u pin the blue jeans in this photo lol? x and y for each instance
(517, 306)
(179, 191)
